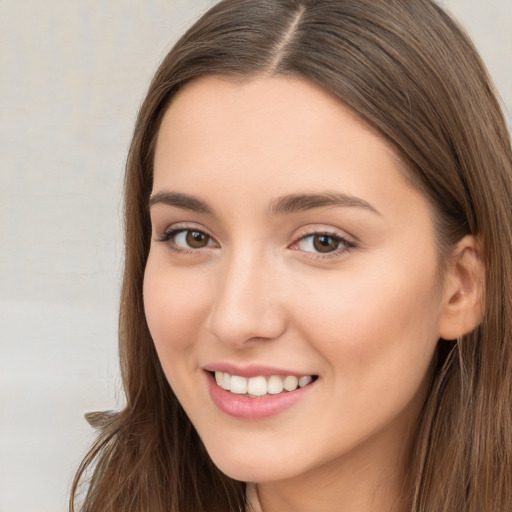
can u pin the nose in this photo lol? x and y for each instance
(248, 303)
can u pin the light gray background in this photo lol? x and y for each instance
(72, 75)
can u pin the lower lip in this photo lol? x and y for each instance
(244, 407)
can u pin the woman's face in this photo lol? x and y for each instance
(287, 246)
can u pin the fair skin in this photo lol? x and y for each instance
(342, 287)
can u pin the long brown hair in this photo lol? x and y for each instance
(409, 71)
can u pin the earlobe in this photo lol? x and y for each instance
(464, 290)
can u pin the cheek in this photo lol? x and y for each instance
(173, 303)
(373, 323)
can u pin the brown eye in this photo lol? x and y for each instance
(196, 239)
(325, 243)
(184, 239)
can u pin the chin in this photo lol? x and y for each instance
(246, 468)
(250, 472)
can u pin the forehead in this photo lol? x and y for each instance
(241, 141)
(258, 99)
(276, 116)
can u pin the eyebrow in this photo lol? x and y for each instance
(291, 203)
(180, 200)
(302, 202)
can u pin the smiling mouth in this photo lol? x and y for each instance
(257, 387)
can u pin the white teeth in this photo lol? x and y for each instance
(290, 383)
(274, 385)
(257, 386)
(304, 381)
(226, 381)
(260, 386)
(238, 385)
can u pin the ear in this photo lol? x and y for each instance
(464, 290)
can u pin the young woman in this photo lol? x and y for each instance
(317, 302)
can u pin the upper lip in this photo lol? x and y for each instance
(252, 370)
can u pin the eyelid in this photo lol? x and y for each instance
(319, 229)
(169, 233)
(181, 226)
(348, 243)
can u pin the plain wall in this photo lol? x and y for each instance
(73, 74)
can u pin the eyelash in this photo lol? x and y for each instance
(169, 238)
(345, 245)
